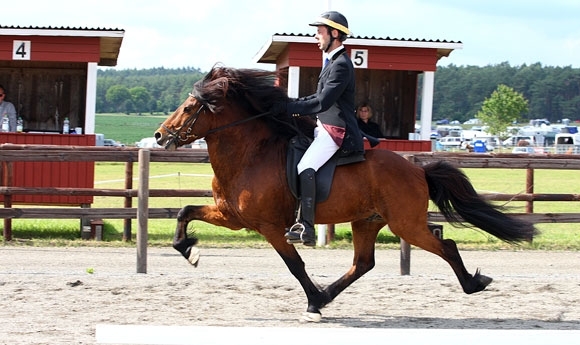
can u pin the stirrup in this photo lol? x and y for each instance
(294, 233)
(297, 228)
(297, 234)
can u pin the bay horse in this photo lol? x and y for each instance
(247, 147)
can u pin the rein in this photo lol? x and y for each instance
(177, 135)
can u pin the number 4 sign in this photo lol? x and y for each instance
(21, 50)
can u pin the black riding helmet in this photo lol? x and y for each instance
(334, 20)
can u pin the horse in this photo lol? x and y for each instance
(247, 145)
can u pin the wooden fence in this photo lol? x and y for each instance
(13, 153)
(45, 153)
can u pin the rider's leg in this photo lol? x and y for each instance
(305, 233)
(319, 152)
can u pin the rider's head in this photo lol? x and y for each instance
(332, 29)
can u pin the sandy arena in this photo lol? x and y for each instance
(48, 297)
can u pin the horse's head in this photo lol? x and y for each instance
(193, 119)
(238, 96)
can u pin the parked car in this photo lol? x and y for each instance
(199, 144)
(451, 141)
(516, 139)
(472, 122)
(147, 143)
(111, 142)
(523, 149)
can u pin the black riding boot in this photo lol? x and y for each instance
(303, 231)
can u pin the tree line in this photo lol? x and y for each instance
(155, 90)
(460, 91)
(552, 93)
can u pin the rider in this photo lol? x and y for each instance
(334, 107)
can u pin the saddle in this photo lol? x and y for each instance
(296, 148)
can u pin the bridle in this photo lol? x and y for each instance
(178, 134)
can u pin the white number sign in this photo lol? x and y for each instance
(359, 58)
(21, 50)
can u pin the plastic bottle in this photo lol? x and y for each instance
(5, 123)
(19, 124)
(66, 126)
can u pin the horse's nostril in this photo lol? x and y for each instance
(157, 135)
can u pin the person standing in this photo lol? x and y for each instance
(334, 108)
(7, 108)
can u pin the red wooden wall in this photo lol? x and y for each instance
(54, 48)
(51, 174)
(402, 145)
(379, 58)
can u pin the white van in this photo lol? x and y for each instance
(515, 139)
(567, 143)
(450, 142)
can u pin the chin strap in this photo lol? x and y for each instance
(331, 41)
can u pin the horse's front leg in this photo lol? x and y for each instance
(207, 213)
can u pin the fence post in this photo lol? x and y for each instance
(8, 181)
(405, 261)
(530, 189)
(128, 200)
(143, 210)
(405, 258)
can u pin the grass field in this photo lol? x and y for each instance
(127, 129)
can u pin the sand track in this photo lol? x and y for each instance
(47, 296)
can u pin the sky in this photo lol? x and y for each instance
(194, 33)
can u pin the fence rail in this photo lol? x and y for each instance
(52, 153)
(45, 153)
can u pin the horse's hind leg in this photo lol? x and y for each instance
(364, 235)
(415, 231)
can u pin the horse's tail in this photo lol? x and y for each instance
(458, 201)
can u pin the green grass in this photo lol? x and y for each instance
(127, 129)
(198, 176)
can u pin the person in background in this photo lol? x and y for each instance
(363, 115)
(8, 109)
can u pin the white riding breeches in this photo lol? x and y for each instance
(320, 151)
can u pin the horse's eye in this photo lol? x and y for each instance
(187, 109)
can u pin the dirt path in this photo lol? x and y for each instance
(47, 296)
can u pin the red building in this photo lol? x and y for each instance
(387, 77)
(51, 74)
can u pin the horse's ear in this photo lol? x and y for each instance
(214, 92)
(219, 85)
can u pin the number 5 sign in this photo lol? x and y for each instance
(359, 58)
(21, 50)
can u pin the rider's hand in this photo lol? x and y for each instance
(279, 108)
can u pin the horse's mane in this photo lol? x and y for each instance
(254, 90)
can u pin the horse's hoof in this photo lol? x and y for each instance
(485, 280)
(193, 256)
(310, 317)
(479, 283)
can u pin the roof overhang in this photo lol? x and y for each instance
(277, 44)
(110, 39)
